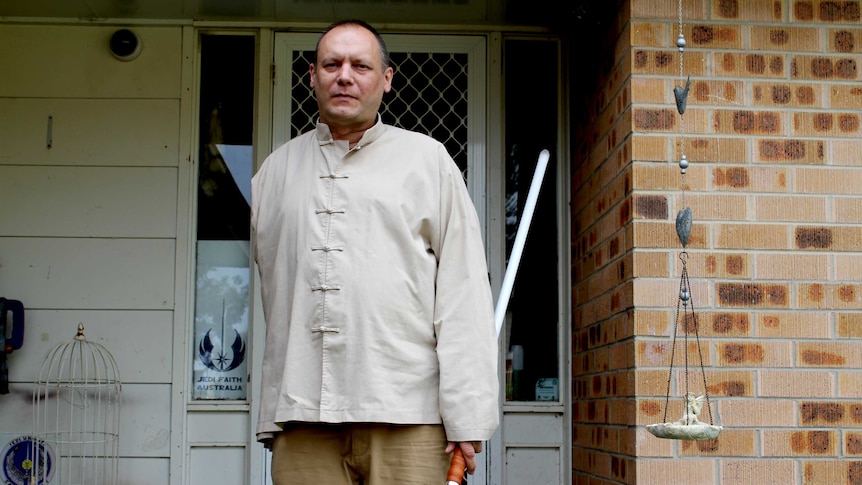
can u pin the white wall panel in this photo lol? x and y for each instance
(542, 429)
(143, 471)
(118, 132)
(218, 427)
(88, 201)
(60, 273)
(144, 418)
(140, 341)
(17, 408)
(224, 465)
(145, 421)
(533, 466)
(75, 62)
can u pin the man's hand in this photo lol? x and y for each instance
(469, 449)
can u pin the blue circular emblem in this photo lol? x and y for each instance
(19, 460)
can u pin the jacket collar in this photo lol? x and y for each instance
(324, 135)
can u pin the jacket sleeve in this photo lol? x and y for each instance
(464, 315)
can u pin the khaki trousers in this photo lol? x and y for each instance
(359, 454)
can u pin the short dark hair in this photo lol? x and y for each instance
(384, 52)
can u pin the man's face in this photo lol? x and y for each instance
(349, 79)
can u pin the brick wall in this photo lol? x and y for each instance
(774, 137)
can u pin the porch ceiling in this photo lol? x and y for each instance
(561, 15)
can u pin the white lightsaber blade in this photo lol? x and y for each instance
(520, 240)
(456, 469)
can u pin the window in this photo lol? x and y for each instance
(223, 217)
(533, 330)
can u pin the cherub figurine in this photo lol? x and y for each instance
(693, 405)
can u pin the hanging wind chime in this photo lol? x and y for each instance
(689, 427)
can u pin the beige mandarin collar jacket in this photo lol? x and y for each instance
(374, 285)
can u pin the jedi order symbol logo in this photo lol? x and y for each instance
(221, 361)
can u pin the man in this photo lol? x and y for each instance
(381, 349)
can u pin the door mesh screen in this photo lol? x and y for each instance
(429, 95)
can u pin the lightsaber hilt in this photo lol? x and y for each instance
(456, 467)
(458, 464)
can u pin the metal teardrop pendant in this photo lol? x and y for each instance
(681, 95)
(683, 225)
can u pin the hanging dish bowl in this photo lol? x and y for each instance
(688, 427)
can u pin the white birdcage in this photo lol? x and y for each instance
(76, 403)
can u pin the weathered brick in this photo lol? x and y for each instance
(829, 354)
(650, 148)
(774, 266)
(774, 413)
(650, 119)
(784, 38)
(656, 353)
(849, 325)
(844, 40)
(648, 206)
(650, 34)
(796, 384)
(655, 119)
(716, 93)
(793, 325)
(821, 67)
(713, 36)
(751, 236)
(849, 383)
(691, 471)
(822, 414)
(790, 208)
(832, 124)
(695, 9)
(721, 324)
(789, 95)
(746, 472)
(834, 296)
(790, 266)
(842, 96)
(846, 152)
(651, 383)
(665, 293)
(787, 150)
(666, 62)
(651, 264)
(728, 383)
(836, 181)
(746, 122)
(800, 443)
(649, 234)
(718, 265)
(750, 64)
(839, 472)
(753, 295)
(731, 442)
(666, 176)
(651, 91)
(621, 356)
(690, 382)
(750, 179)
(826, 11)
(707, 149)
(653, 323)
(620, 411)
(715, 206)
(751, 11)
(760, 353)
